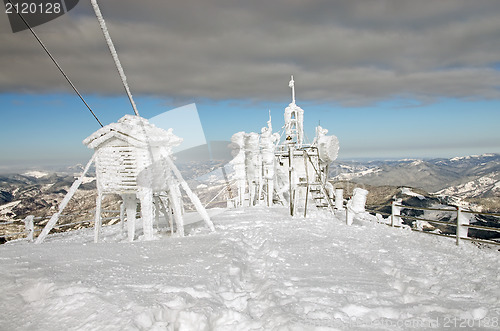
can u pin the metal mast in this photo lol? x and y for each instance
(112, 50)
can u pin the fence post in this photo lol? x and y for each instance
(392, 212)
(459, 212)
(122, 217)
(29, 227)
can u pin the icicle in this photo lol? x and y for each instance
(129, 201)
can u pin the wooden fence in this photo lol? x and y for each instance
(458, 223)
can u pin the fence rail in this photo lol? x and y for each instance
(461, 224)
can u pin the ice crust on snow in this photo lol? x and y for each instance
(264, 271)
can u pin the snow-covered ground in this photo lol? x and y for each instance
(260, 270)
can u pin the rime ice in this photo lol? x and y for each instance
(133, 159)
(291, 172)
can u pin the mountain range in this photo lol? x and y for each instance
(475, 179)
(476, 176)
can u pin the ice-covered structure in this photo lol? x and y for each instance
(253, 163)
(294, 119)
(289, 172)
(357, 203)
(268, 141)
(238, 163)
(133, 159)
(302, 168)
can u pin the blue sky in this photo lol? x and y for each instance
(47, 129)
(399, 79)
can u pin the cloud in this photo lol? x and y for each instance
(351, 52)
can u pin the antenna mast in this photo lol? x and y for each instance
(112, 50)
(292, 86)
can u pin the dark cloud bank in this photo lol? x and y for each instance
(352, 52)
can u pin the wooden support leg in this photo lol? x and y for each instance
(163, 203)
(129, 200)
(69, 195)
(146, 196)
(156, 206)
(241, 193)
(177, 211)
(270, 192)
(97, 222)
(194, 198)
(260, 195)
(252, 188)
(122, 217)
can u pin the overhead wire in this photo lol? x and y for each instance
(57, 65)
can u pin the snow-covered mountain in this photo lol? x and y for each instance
(484, 186)
(476, 175)
(474, 178)
(34, 193)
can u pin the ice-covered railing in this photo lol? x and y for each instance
(460, 221)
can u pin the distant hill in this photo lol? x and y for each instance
(477, 176)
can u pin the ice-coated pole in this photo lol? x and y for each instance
(292, 86)
(112, 50)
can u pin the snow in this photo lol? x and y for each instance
(352, 175)
(5, 208)
(86, 180)
(417, 163)
(468, 157)
(339, 199)
(358, 201)
(328, 146)
(474, 188)
(6, 213)
(35, 174)
(408, 191)
(261, 270)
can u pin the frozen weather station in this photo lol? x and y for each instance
(164, 229)
(133, 159)
(282, 168)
